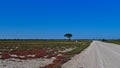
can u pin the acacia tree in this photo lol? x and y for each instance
(68, 35)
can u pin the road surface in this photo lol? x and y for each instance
(97, 55)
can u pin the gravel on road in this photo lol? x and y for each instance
(97, 55)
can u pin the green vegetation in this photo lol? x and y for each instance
(113, 41)
(68, 35)
(55, 45)
(39, 44)
(80, 46)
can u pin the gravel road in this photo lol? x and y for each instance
(97, 55)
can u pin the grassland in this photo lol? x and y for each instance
(55, 45)
(7, 45)
(113, 41)
(39, 44)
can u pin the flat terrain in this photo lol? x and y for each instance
(113, 41)
(97, 55)
(38, 53)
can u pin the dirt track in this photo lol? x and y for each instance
(97, 55)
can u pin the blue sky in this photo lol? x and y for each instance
(51, 19)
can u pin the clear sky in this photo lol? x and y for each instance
(51, 19)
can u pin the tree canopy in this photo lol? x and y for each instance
(68, 35)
